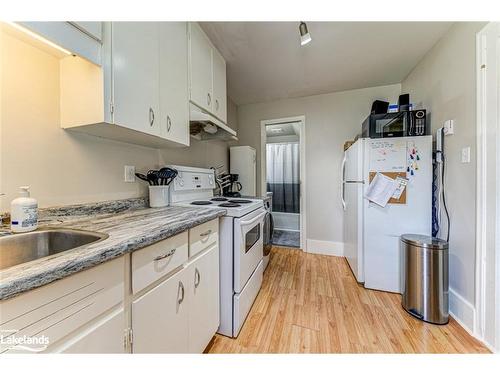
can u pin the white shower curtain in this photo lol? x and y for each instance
(283, 172)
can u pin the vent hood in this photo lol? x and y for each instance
(203, 126)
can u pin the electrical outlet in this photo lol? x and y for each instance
(129, 173)
(466, 155)
(449, 127)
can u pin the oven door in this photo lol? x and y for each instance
(248, 246)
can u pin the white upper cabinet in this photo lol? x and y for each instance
(136, 75)
(140, 95)
(93, 29)
(207, 74)
(220, 94)
(174, 96)
(200, 73)
(77, 38)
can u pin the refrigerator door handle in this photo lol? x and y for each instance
(342, 195)
(342, 187)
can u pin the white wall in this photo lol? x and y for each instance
(331, 119)
(445, 82)
(63, 167)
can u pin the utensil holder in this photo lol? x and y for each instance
(158, 196)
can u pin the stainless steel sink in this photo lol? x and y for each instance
(25, 247)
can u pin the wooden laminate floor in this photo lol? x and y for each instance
(312, 304)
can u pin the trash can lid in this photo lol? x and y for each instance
(428, 242)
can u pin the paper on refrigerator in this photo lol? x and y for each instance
(381, 189)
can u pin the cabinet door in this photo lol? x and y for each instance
(135, 65)
(160, 317)
(220, 95)
(200, 61)
(106, 336)
(204, 316)
(174, 97)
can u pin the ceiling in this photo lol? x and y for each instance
(266, 62)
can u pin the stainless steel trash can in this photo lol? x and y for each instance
(425, 278)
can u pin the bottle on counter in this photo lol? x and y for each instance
(24, 212)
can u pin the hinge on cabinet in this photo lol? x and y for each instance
(111, 107)
(128, 338)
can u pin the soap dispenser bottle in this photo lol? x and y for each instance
(24, 212)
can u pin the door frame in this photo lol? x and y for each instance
(488, 190)
(302, 178)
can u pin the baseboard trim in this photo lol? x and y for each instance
(462, 311)
(325, 247)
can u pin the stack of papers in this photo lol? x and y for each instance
(382, 188)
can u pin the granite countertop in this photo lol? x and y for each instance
(130, 225)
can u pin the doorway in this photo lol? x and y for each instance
(487, 309)
(282, 177)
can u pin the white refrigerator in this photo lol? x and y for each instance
(242, 161)
(371, 232)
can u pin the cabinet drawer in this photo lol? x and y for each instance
(57, 309)
(203, 236)
(153, 262)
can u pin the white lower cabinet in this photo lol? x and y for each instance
(172, 307)
(160, 318)
(106, 336)
(181, 314)
(204, 311)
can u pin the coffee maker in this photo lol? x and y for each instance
(232, 187)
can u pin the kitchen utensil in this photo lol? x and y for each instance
(153, 177)
(142, 177)
(167, 175)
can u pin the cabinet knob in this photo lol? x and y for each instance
(151, 116)
(209, 99)
(197, 277)
(216, 104)
(181, 288)
(169, 123)
(166, 255)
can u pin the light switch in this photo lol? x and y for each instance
(129, 173)
(449, 127)
(466, 155)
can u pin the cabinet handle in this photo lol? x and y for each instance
(151, 116)
(207, 233)
(216, 104)
(166, 255)
(169, 123)
(197, 278)
(209, 99)
(181, 287)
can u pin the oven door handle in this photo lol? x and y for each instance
(254, 220)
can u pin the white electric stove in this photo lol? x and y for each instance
(240, 242)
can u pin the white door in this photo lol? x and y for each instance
(136, 73)
(204, 316)
(220, 95)
(200, 69)
(248, 246)
(106, 336)
(160, 318)
(174, 97)
(353, 228)
(383, 226)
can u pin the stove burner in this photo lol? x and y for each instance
(201, 203)
(219, 199)
(229, 205)
(240, 201)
